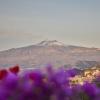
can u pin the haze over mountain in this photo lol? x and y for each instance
(54, 52)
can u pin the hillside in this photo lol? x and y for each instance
(54, 52)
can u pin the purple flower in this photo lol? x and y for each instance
(52, 85)
(90, 89)
(71, 72)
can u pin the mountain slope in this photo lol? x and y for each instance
(53, 52)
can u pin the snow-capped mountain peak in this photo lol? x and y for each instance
(50, 43)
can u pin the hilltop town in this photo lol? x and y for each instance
(87, 75)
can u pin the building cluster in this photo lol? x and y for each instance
(88, 75)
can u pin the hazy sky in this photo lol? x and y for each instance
(25, 22)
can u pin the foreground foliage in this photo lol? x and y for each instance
(44, 85)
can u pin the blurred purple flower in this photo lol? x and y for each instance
(52, 85)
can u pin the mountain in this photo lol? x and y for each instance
(54, 52)
(50, 43)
